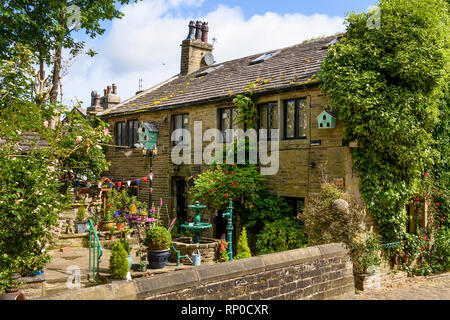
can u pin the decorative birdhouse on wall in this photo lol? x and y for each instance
(327, 119)
(148, 135)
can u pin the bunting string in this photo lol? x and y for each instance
(117, 184)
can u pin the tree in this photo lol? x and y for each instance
(44, 26)
(386, 84)
(33, 182)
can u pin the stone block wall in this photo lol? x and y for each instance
(320, 272)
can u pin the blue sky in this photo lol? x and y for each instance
(308, 7)
(145, 43)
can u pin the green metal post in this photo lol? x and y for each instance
(229, 228)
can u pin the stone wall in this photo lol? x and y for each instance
(320, 272)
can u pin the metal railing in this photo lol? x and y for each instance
(95, 251)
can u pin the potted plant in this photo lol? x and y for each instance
(118, 263)
(81, 216)
(127, 247)
(120, 220)
(158, 240)
(112, 232)
(107, 221)
(366, 263)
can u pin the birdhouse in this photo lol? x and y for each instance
(326, 120)
(148, 135)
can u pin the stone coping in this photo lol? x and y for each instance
(164, 283)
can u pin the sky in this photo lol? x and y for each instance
(145, 43)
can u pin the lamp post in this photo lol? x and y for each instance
(229, 215)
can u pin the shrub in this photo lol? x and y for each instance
(118, 263)
(81, 215)
(281, 235)
(440, 252)
(243, 251)
(158, 238)
(323, 224)
(366, 254)
(126, 245)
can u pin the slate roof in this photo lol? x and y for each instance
(292, 68)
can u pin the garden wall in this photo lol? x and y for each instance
(320, 272)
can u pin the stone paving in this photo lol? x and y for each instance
(415, 288)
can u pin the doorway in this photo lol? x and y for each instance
(179, 191)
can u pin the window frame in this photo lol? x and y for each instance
(296, 119)
(121, 140)
(269, 106)
(297, 206)
(183, 116)
(135, 136)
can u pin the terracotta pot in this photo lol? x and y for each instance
(106, 225)
(120, 226)
(13, 293)
(111, 237)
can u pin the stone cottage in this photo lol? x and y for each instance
(311, 142)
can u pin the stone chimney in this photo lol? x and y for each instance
(110, 97)
(95, 104)
(195, 47)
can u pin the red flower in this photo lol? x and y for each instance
(232, 184)
(233, 174)
(226, 172)
(226, 195)
(437, 204)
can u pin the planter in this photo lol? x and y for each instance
(368, 281)
(106, 225)
(157, 259)
(81, 227)
(120, 226)
(13, 293)
(130, 261)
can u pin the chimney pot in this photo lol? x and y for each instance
(93, 94)
(114, 88)
(205, 31)
(97, 100)
(108, 89)
(198, 30)
(191, 34)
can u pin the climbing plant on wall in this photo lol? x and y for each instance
(387, 84)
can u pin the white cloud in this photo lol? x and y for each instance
(145, 43)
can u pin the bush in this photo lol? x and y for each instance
(440, 252)
(158, 238)
(126, 245)
(243, 251)
(118, 262)
(366, 254)
(281, 235)
(324, 224)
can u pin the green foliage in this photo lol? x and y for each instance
(386, 85)
(366, 254)
(126, 245)
(81, 213)
(281, 235)
(246, 107)
(324, 224)
(158, 238)
(243, 251)
(118, 262)
(223, 253)
(440, 251)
